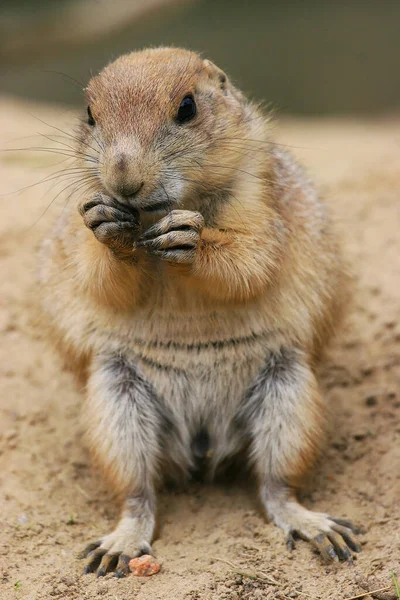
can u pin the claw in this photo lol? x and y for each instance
(175, 256)
(172, 240)
(176, 220)
(332, 553)
(100, 199)
(149, 234)
(322, 543)
(123, 566)
(85, 207)
(290, 541)
(145, 549)
(88, 569)
(340, 545)
(347, 554)
(348, 524)
(348, 537)
(121, 573)
(95, 557)
(107, 564)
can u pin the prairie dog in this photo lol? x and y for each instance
(198, 280)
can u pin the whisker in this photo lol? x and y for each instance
(68, 172)
(67, 77)
(65, 133)
(166, 193)
(76, 138)
(268, 143)
(78, 141)
(54, 199)
(206, 186)
(239, 170)
(75, 150)
(62, 152)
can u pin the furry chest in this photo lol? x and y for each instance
(196, 361)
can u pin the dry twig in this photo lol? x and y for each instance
(384, 589)
(237, 569)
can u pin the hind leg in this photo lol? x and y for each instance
(125, 421)
(283, 414)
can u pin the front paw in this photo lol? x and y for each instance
(113, 223)
(175, 237)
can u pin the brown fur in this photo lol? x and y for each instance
(247, 253)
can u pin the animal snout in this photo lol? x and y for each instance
(126, 188)
(129, 190)
(123, 175)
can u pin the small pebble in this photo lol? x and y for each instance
(22, 519)
(371, 401)
(144, 566)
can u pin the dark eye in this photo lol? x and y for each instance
(90, 120)
(187, 109)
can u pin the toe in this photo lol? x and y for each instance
(325, 547)
(348, 537)
(171, 240)
(107, 564)
(145, 548)
(348, 524)
(340, 546)
(157, 229)
(89, 548)
(94, 560)
(122, 569)
(180, 256)
(290, 541)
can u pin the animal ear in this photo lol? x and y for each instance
(216, 74)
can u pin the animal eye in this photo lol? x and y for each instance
(187, 109)
(90, 120)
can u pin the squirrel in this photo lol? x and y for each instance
(197, 281)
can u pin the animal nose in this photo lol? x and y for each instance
(130, 190)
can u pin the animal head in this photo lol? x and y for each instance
(164, 125)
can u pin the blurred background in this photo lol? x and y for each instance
(302, 56)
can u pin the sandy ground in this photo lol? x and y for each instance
(52, 501)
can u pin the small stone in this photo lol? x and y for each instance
(371, 401)
(22, 519)
(361, 435)
(144, 566)
(367, 371)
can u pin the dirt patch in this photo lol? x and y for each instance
(210, 537)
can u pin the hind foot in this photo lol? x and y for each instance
(333, 538)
